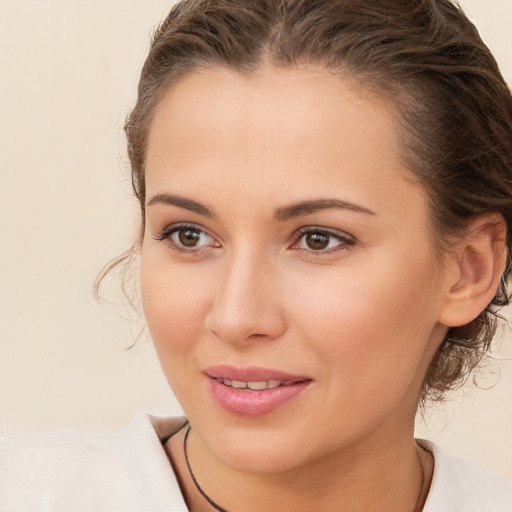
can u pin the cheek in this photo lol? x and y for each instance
(173, 310)
(373, 326)
(174, 301)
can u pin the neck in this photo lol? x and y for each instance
(380, 474)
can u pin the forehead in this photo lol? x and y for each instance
(298, 132)
(304, 107)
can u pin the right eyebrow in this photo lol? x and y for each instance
(181, 202)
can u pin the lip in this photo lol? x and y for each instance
(251, 373)
(251, 403)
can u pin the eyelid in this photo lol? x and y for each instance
(165, 236)
(346, 241)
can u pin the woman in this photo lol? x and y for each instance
(325, 191)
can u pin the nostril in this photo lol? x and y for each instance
(244, 321)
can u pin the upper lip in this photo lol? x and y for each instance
(251, 374)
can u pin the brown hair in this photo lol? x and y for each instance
(425, 57)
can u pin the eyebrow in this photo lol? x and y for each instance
(308, 207)
(181, 202)
(284, 213)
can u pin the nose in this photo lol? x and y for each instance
(246, 305)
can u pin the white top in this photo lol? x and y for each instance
(130, 472)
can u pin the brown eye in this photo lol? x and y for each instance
(189, 237)
(321, 241)
(317, 241)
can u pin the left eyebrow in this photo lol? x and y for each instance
(308, 207)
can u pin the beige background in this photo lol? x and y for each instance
(68, 76)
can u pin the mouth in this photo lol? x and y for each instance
(252, 392)
(256, 385)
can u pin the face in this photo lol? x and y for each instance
(288, 278)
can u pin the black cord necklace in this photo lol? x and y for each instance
(196, 483)
(220, 509)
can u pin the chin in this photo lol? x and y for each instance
(259, 461)
(257, 452)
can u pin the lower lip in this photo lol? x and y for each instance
(251, 403)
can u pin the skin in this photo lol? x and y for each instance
(361, 318)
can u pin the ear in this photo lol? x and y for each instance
(474, 270)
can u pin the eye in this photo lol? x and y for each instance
(190, 237)
(317, 240)
(187, 237)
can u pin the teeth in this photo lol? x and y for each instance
(256, 385)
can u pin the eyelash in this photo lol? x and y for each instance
(166, 236)
(345, 241)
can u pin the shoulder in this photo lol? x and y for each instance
(460, 486)
(85, 471)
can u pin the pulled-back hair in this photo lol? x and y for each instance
(423, 57)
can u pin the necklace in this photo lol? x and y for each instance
(220, 509)
(194, 479)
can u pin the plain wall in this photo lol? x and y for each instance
(68, 77)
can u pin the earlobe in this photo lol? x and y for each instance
(474, 270)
